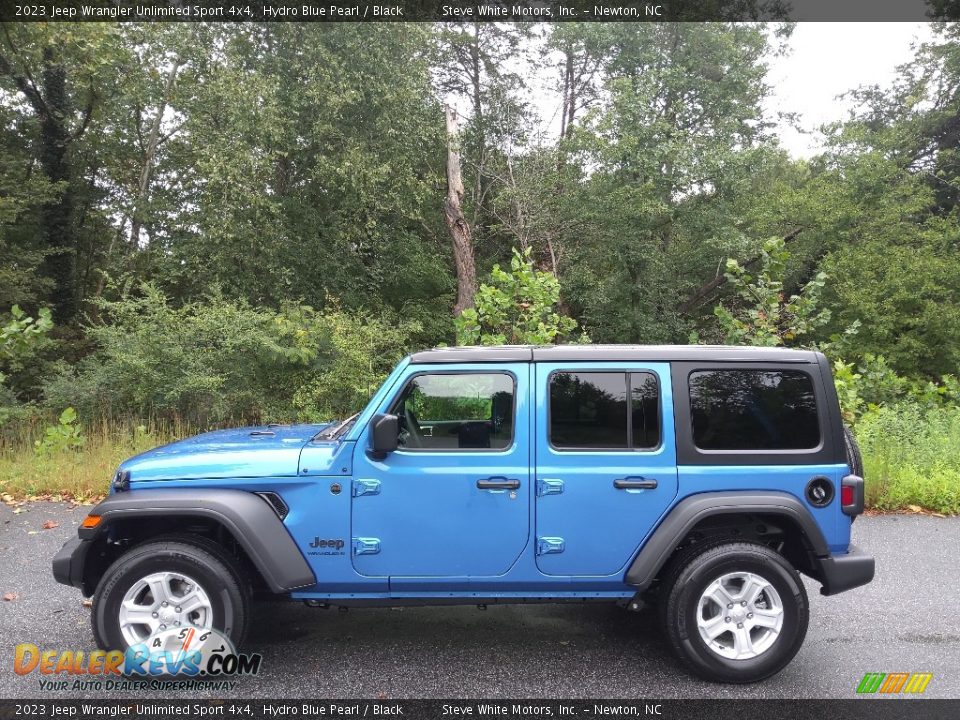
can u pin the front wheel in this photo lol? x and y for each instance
(735, 612)
(164, 585)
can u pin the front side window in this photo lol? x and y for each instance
(604, 410)
(456, 411)
(753, 410)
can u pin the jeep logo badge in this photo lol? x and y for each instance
(318, 543)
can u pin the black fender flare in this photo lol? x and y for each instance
(695, 508)
(250, 519)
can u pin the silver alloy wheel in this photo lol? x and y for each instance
(739, 615)
(162, 601)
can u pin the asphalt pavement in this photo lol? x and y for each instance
(907, 620)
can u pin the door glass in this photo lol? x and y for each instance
(456, 411)
(588, 410)
(644, 410)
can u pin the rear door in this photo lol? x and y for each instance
(606, 466)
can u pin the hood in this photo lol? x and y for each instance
(260, 451)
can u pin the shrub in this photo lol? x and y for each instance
(365, 349)
(65, 435)
(222, 361)
(516, 307)
(205, 361)
(911, 456)
(21, 338)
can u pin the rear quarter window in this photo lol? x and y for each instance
(753, 410)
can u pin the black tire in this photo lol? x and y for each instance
(680, 597)
(202, 560)
(854, 458)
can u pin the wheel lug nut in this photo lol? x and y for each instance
(178, 609)
(164, 603)
(739, 625)
(726, 619)
(729, 605)
(163, 627)
(743, 602)
(155, 615)
(177, 623)
(749, 615)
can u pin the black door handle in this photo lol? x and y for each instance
(498, 483)
(629, 483)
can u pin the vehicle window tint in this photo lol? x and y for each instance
(753, 410)
(608, 410)
(588, 410)
(644, 410)
(456, 411)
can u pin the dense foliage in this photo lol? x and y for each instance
(518, 307)
(246, 222)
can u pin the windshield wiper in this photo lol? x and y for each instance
(337, 430)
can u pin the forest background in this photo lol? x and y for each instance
(206, 225)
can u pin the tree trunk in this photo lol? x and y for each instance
(59, 263)
(150, 158)
(51, 104)
(570, 110)
(456, 221)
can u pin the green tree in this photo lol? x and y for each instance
(764, 315)
(64, 75)
(664, 162)
(518, 307)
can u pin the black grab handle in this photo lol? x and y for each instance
(634, 484)
(496, 483)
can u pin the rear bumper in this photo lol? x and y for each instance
(847, 571)
(69, 562)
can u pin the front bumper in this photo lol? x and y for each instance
(69, 562)
(847, 571)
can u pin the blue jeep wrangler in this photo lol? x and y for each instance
(703, 478)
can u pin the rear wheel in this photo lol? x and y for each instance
(163, 585)
(736, 612)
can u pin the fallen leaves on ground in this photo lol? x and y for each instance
(73, 500)
(10, 596)
(50, 524)
(906, 510)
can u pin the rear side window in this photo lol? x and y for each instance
(604, 411)
(753, 410)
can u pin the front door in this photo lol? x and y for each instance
(454, 499)
(606, 462)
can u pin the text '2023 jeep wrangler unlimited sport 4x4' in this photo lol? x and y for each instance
(708, 476)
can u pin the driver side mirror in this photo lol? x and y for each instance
(384, 433)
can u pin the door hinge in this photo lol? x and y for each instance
(366, 546)
(549, 545)
(549, 486)
(366, 487)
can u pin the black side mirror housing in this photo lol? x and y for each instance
(384, 433)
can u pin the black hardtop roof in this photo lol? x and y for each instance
(600, 353)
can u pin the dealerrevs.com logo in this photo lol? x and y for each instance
(204, 657)
(894, 683)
